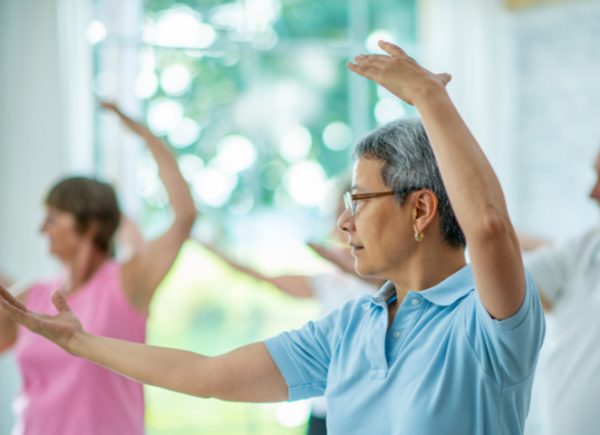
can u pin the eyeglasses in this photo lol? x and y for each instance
(350, 199)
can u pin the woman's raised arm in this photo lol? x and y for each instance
(145, 271)
(473, 188)
(297, 286)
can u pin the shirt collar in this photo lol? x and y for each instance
(445, 293)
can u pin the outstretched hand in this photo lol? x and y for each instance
(399, 73)
(60, 328)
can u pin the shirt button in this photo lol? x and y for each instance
(415, 302)
(396, 334)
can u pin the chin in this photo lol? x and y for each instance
(363, 270)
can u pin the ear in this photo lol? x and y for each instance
(92, 231)
(425, 209)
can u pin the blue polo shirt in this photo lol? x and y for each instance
(445, 366)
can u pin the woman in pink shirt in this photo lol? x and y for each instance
(63, 394)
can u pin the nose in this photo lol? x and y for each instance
(345, 221)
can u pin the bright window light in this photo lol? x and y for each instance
(96, 32)
(145, 85)
(337, 136)
(175, 80)
(388, 110)
(296, 143)
(306, 183)
(182, 27)
(292, 414)
(163, 115)
(190, 166)
(185, 133)
(235, 154)
(372, 42)
(212, 186)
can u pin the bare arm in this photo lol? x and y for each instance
(344, 260)
(294, 285)
(529, 243)
(473, 188)
(143, 273)
(246, 374)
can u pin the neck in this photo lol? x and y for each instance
(82, 267)
(429, 265)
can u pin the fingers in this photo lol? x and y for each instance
(59, 301)
(445, 78)
(392, 49)
(372, 61)
(13, 312)
(361, 70)
(10, 299)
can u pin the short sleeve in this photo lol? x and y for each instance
(303, 356)
(508, 349)
(553, 266)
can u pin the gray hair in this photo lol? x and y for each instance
(409, 165)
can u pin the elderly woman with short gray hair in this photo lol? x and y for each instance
(443, 347)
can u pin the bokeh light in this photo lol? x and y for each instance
(105, 84)
(388, 110)
(190, 166)
(185, 133)
(306, 183)
(95, 32)
(292, 414)
(163, 115)
(296, 143)
(337, 136)
(241, 202)
(235, 153)
(372, 42)
(213, 186)
(182, 27)
(145, 84)
(175, 80)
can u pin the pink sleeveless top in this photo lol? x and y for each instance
(66, 395)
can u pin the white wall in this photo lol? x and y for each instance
(37, 139)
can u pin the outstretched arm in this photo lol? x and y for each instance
(143, 273)
(473, 188)
(247, 374)
(294, 285)
(344, 260)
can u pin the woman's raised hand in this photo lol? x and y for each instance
(399, 73)
(138, 128)
(60, 329)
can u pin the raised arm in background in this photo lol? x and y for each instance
(343, 259)
(297, 286)
(473, 188)
(529, 243)
(145, 271)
